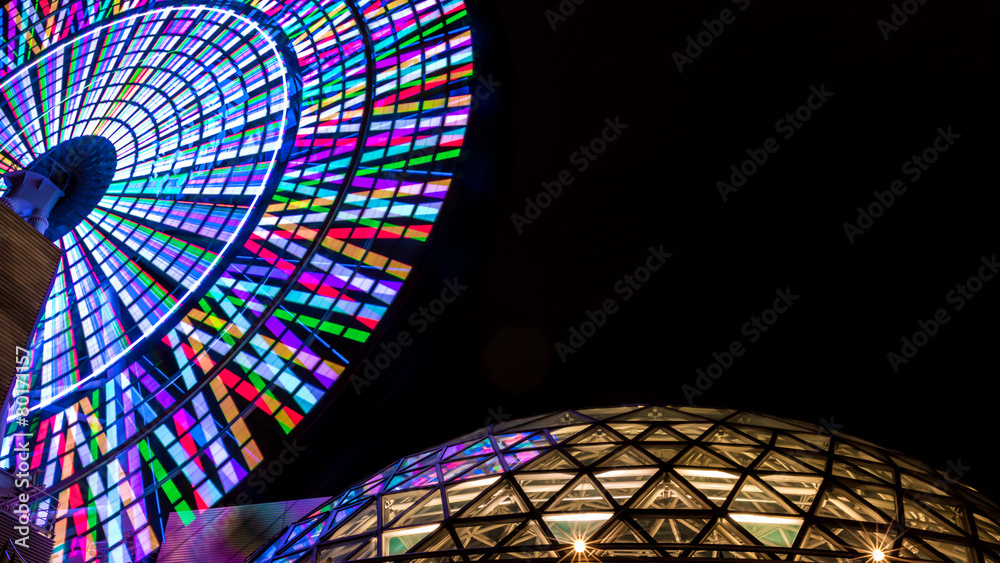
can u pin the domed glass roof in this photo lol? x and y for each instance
(647, 482)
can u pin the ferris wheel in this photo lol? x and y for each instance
(247, 187)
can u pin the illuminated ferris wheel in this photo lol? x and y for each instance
(246, 188)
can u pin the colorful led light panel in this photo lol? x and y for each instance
(279, 168)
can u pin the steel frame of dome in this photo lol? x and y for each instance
(649, 483)
(280, 165)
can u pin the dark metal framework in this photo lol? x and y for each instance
(637, 482)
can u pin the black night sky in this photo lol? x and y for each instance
(685, 120)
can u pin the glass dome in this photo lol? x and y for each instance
(647, 482)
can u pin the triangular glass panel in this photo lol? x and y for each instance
(430, 509)
(755, 497)
(988, 529)
(907, 462)
(664, 453)
(489, 467)
(507, 440)
(307, 539)
(325, 508)
(882, 498)
(815, 460)
(622, 484)
(338, 553)
(629, 457)
(723, 435)
(424, 478)
(540, 487)
(530, 535)
(628, 429)
(367, 551)
(400, 540)
(777, 461)
(785, 441)
(587, 455)
(699, 457)
(602, 413)
(714, 484)
(818, 441)
(596, 435)
(883, 473)
(657, 414)
(340, 516)
(845, 449)
(913, 549)
(920, 518)
(693, 429)
(815, 539)
(559, 419)
(990, 556)
(455, 450)
(441, 541)
(863, 538)
(844, 469)
(708, 412)
(451, 469)
(621, 533)
(484, 535)
(482, 447)
(535, 441)
(955, 552)
(419, 460)
(838, 503)
(581, 496)
(518, 459)
(400, 478)
(740, 455)
(361, 522)
(561, 434)
(298, 528)
(395, 504)
(762, 435)
(910, 482)
(800, 490)
(761, 420)
(774, 531)
(460, 494)
(669, 494)
(552, 460)
(571, 527)
(658, 434)
(725, 533)
(502, 500)
(672, 530)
